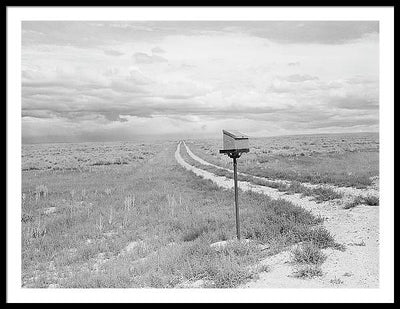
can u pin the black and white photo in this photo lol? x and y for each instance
(195, 154)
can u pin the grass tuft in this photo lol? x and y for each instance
(325, 194)
(193, 233)
(322, 239)
(369, 200)
(308, 253)
(41, 191)
(308, 272)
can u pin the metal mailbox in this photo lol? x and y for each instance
(234, 140)
(235, 143)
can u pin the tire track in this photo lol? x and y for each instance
(227, 183)
(348, 191)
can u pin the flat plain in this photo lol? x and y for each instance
(341, 159)
(128, 214)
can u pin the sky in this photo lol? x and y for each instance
(137, 80)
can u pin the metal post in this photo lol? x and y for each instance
(236, 197)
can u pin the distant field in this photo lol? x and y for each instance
(340, 159)
(78, 156)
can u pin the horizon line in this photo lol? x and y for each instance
(160, 137)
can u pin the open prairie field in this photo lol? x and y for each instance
(84, 156)
(151, 215)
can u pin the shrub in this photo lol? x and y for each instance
(229, 276)
(321, 238)
(193, 233)
(308, 253)
(336, 281)
(357, 201)
(370, 200)
(325, 194)
(41, 191)
(197, 227)
(307, 272)
(129, 203)
(297, 187)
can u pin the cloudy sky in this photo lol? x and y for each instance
(107, 81)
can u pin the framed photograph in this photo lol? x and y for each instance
(200, 154)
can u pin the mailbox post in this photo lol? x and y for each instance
(234, 144)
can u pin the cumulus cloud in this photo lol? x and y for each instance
(315, 32)
(112, 52)
(299, 78)
(157, 50)
(144, 58)
(355, 102)
(294, 85)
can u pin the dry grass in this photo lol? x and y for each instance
(369, 200)
(307, 272)
(307, 259)
(84, 156)
(308, 253)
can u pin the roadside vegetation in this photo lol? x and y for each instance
(369, 200)
(307, 259)
(307, 271)
(308, 253)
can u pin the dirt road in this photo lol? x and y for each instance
(356, 228)
(347, 191)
